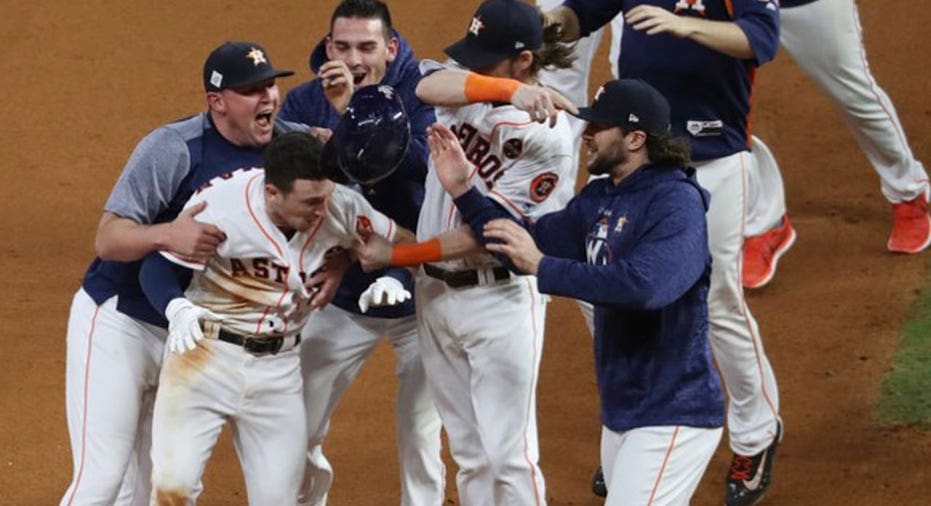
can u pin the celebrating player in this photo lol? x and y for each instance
(115, 338)
(480, 327)
(362, 49)
(714, 46)
(251, 299)
(825, 39)
(635, 245)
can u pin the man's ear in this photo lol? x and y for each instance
(328, 45)
(524, 61)
(392, 48)
(216, 102)
(636, 140)
(272, 191)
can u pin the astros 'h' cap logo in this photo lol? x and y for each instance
(476, 26)
(257, 56)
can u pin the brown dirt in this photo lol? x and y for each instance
(89, 79)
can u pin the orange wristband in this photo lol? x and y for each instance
(479, 88)
(406, 255)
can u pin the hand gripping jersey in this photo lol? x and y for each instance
(256, 279)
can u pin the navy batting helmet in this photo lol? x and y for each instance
(371, 138)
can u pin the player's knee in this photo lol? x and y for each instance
(174, 489)
(167, 496)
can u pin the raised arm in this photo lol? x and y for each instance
(450, 87)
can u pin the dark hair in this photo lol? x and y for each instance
(667, 150)
(365, 9)
(291, 156)
(553, 54)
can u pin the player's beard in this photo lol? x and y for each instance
(603, 164)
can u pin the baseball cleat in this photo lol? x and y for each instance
(761, 253)
(598, 484)
(911, 226)
(749, 477)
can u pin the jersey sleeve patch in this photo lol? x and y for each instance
(364, 226)
(542, 186)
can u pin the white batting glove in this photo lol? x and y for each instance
(385, 291)
(184, 324)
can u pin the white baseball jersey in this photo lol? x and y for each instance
(482, 358)
(256, 282)
(256, 279)
(521, 164)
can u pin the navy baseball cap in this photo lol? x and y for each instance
(239, 64)
(629, 103)
(499, 29)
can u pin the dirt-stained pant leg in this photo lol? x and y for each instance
(190, 411)
(263, 399)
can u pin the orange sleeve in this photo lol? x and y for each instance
(479, 88)
(407, 255)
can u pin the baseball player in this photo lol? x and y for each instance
(825, 38)
(715, 46)
(362, 49)
(635, 245)
(115, 338)
(480, 327)
(251, 299)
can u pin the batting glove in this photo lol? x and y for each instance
(385, 291)
(184, 324)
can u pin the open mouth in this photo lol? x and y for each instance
(358, 78)
(264, 119)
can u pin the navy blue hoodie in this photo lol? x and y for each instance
(638, 251)
(398, 196)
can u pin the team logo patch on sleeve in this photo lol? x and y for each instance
(364, 226)
(513, 148)
(542, 186)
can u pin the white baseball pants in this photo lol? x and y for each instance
(261, 396)
(111, 374)
(481, 349)
(336, 345)
(733, 332)
(826, 40)
(658, 466)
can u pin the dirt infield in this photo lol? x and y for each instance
(85, 80)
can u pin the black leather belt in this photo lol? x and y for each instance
(459, 279)
(256, 345)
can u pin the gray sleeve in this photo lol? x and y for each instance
(283, 127)
(151, 177)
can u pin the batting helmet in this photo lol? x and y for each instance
(371, 138)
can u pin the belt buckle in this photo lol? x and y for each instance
(264, 345)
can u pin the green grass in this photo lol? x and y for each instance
(906, 390)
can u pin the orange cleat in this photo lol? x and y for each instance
(911, 226)
(762, 252)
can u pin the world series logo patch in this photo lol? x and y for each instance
(513, 148)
